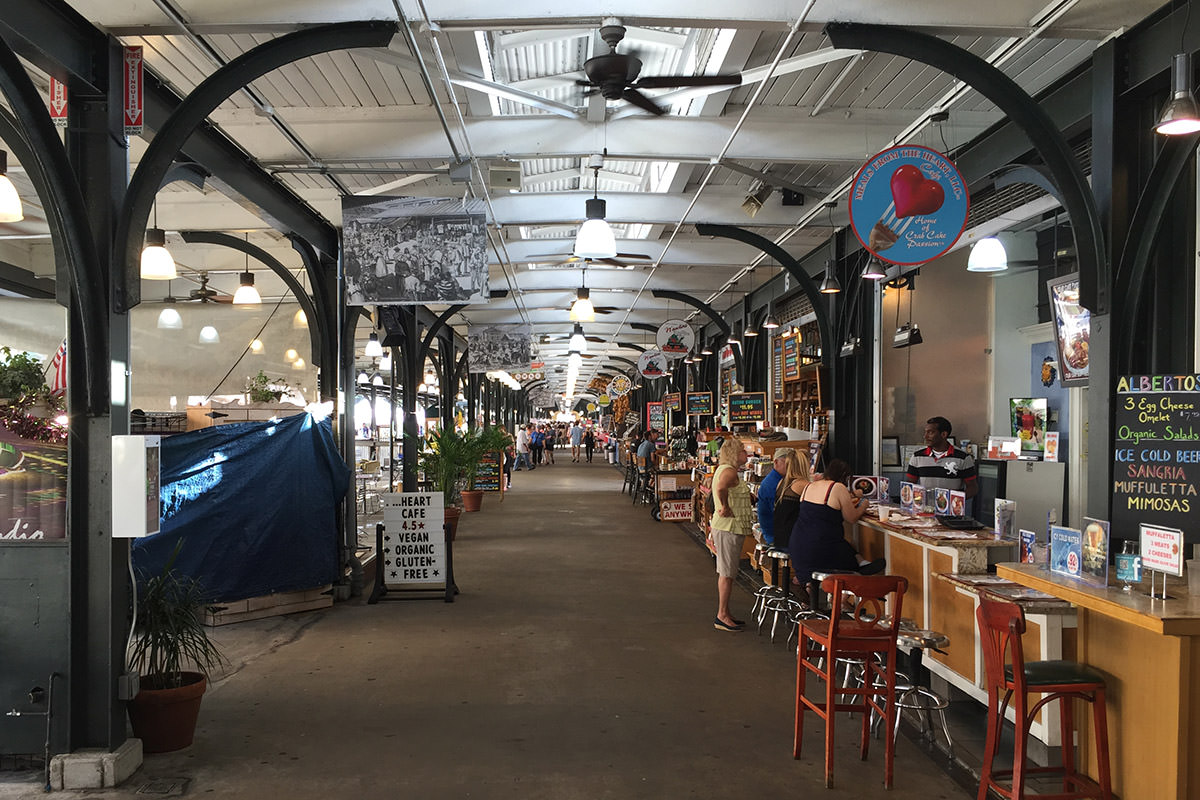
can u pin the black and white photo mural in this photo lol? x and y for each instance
(414, 250)
(495, 347)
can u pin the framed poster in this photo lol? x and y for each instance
(1028, 417)
(889, 451)
(699, 403)
(1073, 327)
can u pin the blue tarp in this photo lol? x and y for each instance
(255, 504)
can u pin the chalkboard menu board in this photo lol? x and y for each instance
(791, 358)
(777, 368)
(672, 401)
(488, 477)
(655, 418)
(699, 403)
(747, 407)
(1156, 454)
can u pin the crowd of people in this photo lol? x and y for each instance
(535, 442)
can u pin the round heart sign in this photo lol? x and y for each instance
(908, 205)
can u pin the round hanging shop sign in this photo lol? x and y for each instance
(591, 407)
(908, 205)
(603, 401)
(652, 364)
(675, 338)
(620, 386)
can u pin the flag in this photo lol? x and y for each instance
(58, 370)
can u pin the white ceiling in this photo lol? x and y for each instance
(808, 120)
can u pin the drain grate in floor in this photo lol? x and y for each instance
(164, 787)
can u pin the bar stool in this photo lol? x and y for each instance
(1001, 625)
(643, 486)
(864, 632)
(780, 603)
(916, 697)
(631, 476)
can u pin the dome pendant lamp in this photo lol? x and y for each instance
(595, 238)
(157, 263)
(10, 201)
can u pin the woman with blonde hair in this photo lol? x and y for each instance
(787, 500)
(732, 521)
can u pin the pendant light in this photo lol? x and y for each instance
(706, 349)
(771, 322)
(299, 319)
(256, 347)
(582, 309)
(209, 335)
(10, 201)
(246, 295)
(875, 270)
(157, 263)
(578, 340)
(735, 335)
(830, 285)
(749, 330)
(595, 238)
(1181, 116)
(988, 255)
(298, 363)
(373, 349)
(168, 318)
(290, 355)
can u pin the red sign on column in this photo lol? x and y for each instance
(58, 103)
(133, 107)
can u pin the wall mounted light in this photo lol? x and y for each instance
(10, 201)
(1181, 116)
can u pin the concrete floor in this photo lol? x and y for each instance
(580, 661)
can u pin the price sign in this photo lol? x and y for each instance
(1162, 549)
(672, 401)
(699, 403)
(747, 407)
(487, 478)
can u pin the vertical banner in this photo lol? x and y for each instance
(133, 105)
(58, 103)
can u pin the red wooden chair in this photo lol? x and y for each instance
(868, 632)
(1001, 625)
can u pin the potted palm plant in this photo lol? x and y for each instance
(480, 443)
(173, 654)
(444, 464)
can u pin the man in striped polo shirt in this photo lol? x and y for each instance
(941, 465)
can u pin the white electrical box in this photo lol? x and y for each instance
(136, 507)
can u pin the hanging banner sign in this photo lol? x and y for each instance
(620, 386)
(675, 338)
(652, 364)
(908, 205)
(699, 403)
(672, 401)
(133, 108)
(591, 407)
(603, 401)
(58, 103)
(748, 407)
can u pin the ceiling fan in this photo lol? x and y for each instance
(569, 262)
(615, 75)
(203, 294)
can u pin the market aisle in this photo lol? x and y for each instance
(580, 661)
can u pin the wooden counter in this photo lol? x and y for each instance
(1150, 651)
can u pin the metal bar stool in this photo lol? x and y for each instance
(862, 632)
(631, 475)
(916, 697)
(781, 603)
(1001, 625)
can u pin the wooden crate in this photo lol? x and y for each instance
(271, 605)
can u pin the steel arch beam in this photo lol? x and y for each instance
(68, 219)
(1095, 275)
(1147, 219)
(195, 109)
(225, 240)
(794, 269)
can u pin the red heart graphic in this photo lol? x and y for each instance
(913, 194)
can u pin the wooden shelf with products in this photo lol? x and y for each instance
(802, 401)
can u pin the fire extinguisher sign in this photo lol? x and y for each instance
(58, 103)
(134, 117)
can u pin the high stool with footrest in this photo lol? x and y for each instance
(1001, 625)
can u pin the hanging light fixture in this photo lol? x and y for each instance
(706, 349)
(385, 363)
(988, 255)
(875, 270)
(299, 319)
(256, 347)
(582, 309)
(373, 349)
(595, 238)
(830, 285)
(363, 378)
(749, 330)
(209, 335)
(771, 322)
(298, 363)
(735, 335)
(157, 263)
(10, 201)
(1181, 115)
(578, 340)
(168, 318)
(290, 355)
(246, 295)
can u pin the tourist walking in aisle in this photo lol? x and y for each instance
(589, 443)
(576, 440)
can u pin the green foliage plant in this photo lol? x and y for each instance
(20, 374)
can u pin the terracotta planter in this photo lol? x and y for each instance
(472, 499)
(452, 515)
(165, 719)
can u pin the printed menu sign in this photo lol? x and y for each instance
(672, 401)
(1156, 454)
(1162, 549)
(655, 418)
(747, 407)
(699, 403)
(414, 543)
(791, 358)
